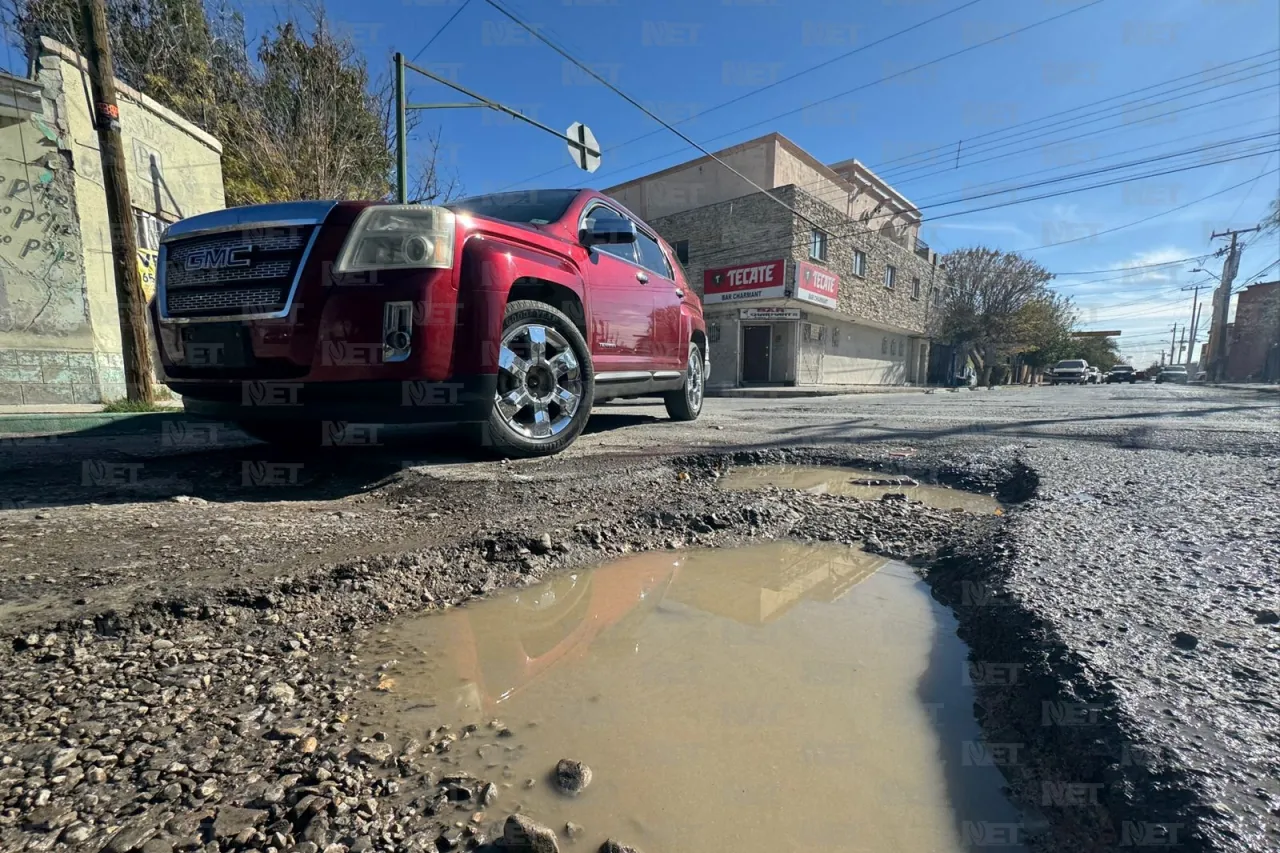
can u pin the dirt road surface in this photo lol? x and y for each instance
(184, 610)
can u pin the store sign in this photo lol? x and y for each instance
(763, 280)
(769, 313)
(816, 285)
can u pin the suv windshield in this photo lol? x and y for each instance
(1122, 368)
(1176, 368)
(1070, 365)
(535, 207)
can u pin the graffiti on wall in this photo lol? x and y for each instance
(41, 260)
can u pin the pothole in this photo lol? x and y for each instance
(777, 696)
(851, 482)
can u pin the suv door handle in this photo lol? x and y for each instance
(642, 277)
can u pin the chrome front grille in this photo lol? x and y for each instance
(228, 300)
(245, 272)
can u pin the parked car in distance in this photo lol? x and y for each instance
(1071, 371)
(512, 312)
(1202, 376)
(1122, 373)
(1094, 376)
(1172, 373)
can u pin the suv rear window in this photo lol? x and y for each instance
(1070, 365)
(534, 207)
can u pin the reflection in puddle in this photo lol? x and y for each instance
(771, 698)
(831, 480)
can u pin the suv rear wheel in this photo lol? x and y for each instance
(545, 383)
(686, 404)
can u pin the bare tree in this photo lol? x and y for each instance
(986, 295)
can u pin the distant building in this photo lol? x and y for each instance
(59, 320)
(1253, 340)
(845, 303)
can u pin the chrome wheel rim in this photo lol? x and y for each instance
(693, 384)
(539, 382)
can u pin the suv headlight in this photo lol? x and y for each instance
(399, 236)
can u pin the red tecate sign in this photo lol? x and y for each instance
(816, 285)
(762, 280)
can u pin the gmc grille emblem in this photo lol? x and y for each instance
(219, 257)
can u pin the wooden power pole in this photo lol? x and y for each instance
(1222, 305)
(130, 299)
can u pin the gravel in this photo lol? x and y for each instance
(182, 653)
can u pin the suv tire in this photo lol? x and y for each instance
(686, 403)
(545, 383)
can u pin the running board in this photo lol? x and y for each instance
(636, 383)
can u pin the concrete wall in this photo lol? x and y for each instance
(59, 323)
(1254, 334)
(699, 183)
(756, 228)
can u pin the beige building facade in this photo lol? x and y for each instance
(59, 321)
(837, 292)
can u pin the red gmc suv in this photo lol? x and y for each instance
(515, 312)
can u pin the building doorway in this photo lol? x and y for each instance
(757, 345)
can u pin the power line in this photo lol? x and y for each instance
(768, 86)
(1146, 219)
(440, 31)
(1105, 169)
(876, 82)
(861, 228)
(906, 177)
(1196, 258)
(1159, 144)
(1095, 116)
(1214, 104)
(1101, 185)
(949, 147)
(591, 71)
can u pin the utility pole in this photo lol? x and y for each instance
(1222, 304)
(130, 300)
(1173, 342)
(1182, 343)
(1195, 316)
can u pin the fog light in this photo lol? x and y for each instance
(397, 328)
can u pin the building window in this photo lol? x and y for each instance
(915, 288)
(890, 276)
(893, 347)
(884, 346)
(859, 263)
(818, 245)
(148, 229)
(682, 251)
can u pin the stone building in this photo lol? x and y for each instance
(1253, 340)
(788, 303)
(59, 322)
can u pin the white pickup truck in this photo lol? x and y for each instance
(1071, 371)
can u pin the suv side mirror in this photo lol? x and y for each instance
(607, 228)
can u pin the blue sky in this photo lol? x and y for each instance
(681, 58)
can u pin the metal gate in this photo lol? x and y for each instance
(812, 341)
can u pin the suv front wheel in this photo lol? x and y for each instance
(686, 403)
(545, 383)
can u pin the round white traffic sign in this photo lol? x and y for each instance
(583, 148)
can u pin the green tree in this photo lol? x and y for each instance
(1102, 353)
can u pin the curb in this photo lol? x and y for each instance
(102, 423)
(790, 393)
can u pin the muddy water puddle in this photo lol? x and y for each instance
(868, 485)
(770, 698)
